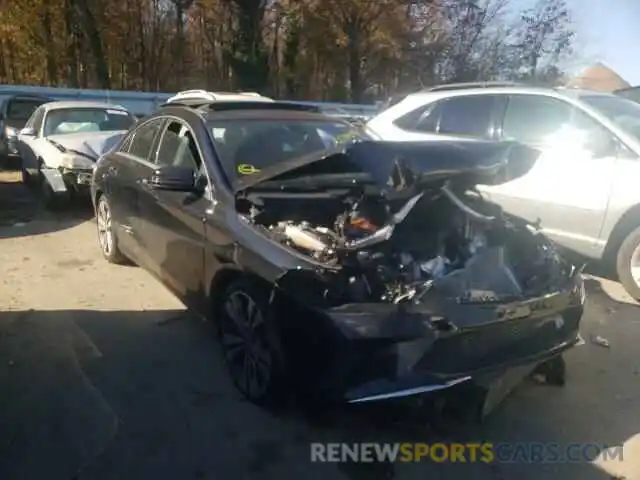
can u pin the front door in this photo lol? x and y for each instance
(173, 223)
(569, 184)
(131, 163)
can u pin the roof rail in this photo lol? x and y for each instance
(251, 103)
(205, 96)
(463, 85)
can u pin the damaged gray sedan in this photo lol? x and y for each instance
(361, 271)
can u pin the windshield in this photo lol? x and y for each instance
(246, 146)
(82, 120)
(624, 113)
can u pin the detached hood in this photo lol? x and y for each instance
(89, 144)
(400, 165)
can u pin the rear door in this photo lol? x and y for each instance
(569, 184)
(173, 223)
(133, 161)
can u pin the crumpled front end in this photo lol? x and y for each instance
(75, 159)
(461, 343)
(412, 285)
(447, 334)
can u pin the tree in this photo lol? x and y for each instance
(357, 50)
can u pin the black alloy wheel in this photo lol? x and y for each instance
(250, 343)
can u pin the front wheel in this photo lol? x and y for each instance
(628, 264)
(106, 233)
(250, 343)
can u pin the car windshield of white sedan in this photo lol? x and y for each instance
(624, 113)
(83, 120)
(246, 146)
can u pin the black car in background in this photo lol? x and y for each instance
(14, 113)
(355, 269)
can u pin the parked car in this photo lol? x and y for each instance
(15, 110)
(632, 93)
(359, 272)
(61, 142)
(583, 186)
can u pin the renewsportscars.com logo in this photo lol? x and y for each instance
(526, 452)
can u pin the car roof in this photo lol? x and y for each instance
(247, 110)
(82, 104)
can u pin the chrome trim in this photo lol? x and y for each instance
(411, 391)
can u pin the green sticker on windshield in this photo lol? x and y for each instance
(246, 169)
(345, 137)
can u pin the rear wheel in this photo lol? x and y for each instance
(26, 178)
(628, 263)
(106, 233)
(250, 343)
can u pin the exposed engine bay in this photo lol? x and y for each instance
(389, 250)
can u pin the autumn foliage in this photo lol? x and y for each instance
(318, 49)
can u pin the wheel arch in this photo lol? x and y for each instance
(625, 225)
(224, 277)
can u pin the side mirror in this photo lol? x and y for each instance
(177, 179)
(28, 132)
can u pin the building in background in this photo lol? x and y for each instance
(599, 77)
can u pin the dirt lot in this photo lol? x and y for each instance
(103, 375)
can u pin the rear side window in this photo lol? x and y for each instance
(467, 115)
(143, 139)
(531, 119)
(423, 119)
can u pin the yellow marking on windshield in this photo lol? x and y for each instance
(246, 169)
(343, 137)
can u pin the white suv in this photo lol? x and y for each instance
(584, 183)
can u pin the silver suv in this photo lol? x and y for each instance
(584, 186)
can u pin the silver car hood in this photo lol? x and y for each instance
(90, 144)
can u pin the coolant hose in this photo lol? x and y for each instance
(464, 207)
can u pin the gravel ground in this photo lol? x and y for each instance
(104, 375)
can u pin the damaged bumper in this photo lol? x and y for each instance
(66, 179)
(385, 351)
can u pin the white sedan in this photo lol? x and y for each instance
(61, 142)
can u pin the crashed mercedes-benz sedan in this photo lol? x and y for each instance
(361, 271)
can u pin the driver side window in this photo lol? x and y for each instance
(178, 148)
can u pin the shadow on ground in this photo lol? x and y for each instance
(22, 214)
(122, 394)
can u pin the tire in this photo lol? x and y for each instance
(553, 371)
(256, 370)
(629, 253)
(26, 178)
(107, 238)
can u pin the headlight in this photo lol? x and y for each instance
(73, 162)
(10, 132)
